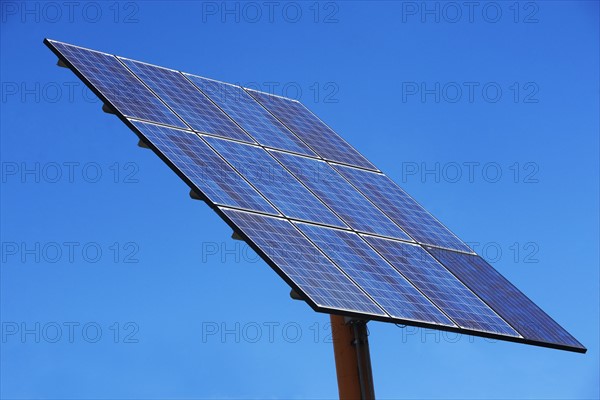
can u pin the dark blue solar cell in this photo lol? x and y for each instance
(374, 275)
(291, 253)
(204, 168)
(250, 115)
(440, 286)
(502, 296)
(402, 209)
(358, 212)
(187, 101)
(130, 97)
(308, 127)
(274, 182)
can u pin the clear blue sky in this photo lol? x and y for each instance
(498, 89)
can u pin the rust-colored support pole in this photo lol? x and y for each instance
(352, 358)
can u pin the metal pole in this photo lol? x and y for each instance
(352, 358)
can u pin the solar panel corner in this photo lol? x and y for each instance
(107, 103)
(533, 324)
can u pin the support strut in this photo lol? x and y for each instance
(352, 358)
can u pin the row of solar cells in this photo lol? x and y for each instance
(357, 273)
(289, 191)
(185, 101)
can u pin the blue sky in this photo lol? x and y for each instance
(114, 284)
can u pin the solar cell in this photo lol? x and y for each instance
(402, 209)
(288, 251)
(374, 275)
(508, 301)
(308, 127)
(119, 86)
(187, 101)
(208, 172)
(440, 286)
(274, 182)
(338, 194)
(250, 115)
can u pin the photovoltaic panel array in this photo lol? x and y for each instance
(342, 234)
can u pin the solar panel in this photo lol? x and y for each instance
(440, 286)
(302, 264)
(321, 138)
(274, 182)
(250, 115)
(508, 301)
(379, 279)
(106, 75)
(338, 194)
(402, 208)
(208, 173)
(187, 101)
(338, 231)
